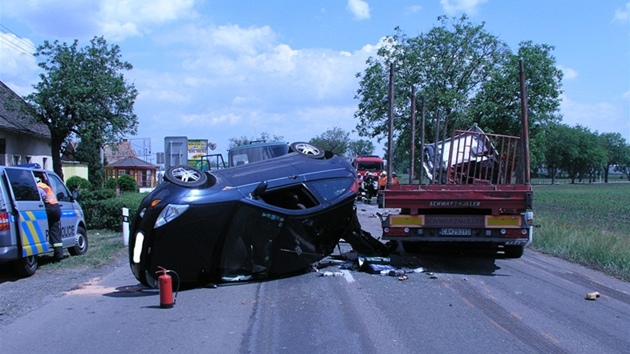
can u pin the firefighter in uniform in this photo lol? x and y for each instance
(53, 212)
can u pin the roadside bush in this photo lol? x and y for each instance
(111, 183)
(106, 213)
(98, 194)
(80, 183)
(127, 184)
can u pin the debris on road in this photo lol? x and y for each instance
(592, 296)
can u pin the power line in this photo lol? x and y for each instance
(18, 43)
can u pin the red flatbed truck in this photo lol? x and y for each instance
(479, 194)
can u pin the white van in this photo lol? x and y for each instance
(23, 221)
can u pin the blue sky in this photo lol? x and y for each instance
(225, 69)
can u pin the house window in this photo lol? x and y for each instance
(16, 160)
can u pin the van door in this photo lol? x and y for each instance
(69, 214)
(30, 214)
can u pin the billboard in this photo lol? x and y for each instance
(197, 149)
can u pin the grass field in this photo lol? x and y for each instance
(585, 223)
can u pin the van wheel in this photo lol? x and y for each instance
(25, 267)
(81, 245)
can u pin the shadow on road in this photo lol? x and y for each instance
(479, 262)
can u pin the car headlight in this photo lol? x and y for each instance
(170, 213)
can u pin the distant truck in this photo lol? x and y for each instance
(479, 195)
(369, 168)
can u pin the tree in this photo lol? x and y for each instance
(497, 106)
(83, 90)
(243, 140)
(614, 145)
(360, 147)
(446, 66)
(450, 66)
(88, 151)
(624, 162)
(575, 150)
(334, 140)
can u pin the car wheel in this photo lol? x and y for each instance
(81, 245)
(25, 267)
(307, 149)
(186, 176)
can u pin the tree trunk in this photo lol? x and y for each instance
(55, 150)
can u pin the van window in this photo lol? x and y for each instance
(60, 189)
(23, 184)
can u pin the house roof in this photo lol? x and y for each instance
(118, 152)
(132, 162)
(11, 119)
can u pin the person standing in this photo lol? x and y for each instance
(53, 212)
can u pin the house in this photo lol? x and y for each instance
(23, 140)
(143, 172)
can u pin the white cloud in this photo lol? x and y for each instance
(568, 73)
(621, 14)
(359, 9)
(603, 117)
(18, 66)
(415, 8)
(453, 7)
(114, 19)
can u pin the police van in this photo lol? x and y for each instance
(23, 220)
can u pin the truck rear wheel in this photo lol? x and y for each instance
(25, 267)
(513, 251)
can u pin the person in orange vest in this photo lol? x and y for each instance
(53, 212)
(394, 178)
(382, 181)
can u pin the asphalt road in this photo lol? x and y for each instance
(462, 304)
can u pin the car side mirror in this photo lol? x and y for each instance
(259, 190)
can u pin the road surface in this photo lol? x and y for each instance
(535, 304)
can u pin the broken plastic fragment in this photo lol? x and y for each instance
(592, 295)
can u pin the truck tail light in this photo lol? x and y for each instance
(396, 231)
(514, 233)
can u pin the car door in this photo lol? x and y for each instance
(30, 214)
(69, 214)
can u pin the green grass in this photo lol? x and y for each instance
(103, 246)
(585, 223)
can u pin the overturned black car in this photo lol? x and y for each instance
(260, 220)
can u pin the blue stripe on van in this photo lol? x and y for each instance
(33, 238)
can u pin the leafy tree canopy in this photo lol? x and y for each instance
(334, 140)
(82, 91)
(360, 147)
(464, 74)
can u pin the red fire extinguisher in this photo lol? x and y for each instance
(165, 285)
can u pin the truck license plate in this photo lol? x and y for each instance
(455, 232)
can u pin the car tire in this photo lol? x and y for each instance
(81, 245)
(307, 149)
(25, 267)
(186, 176)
